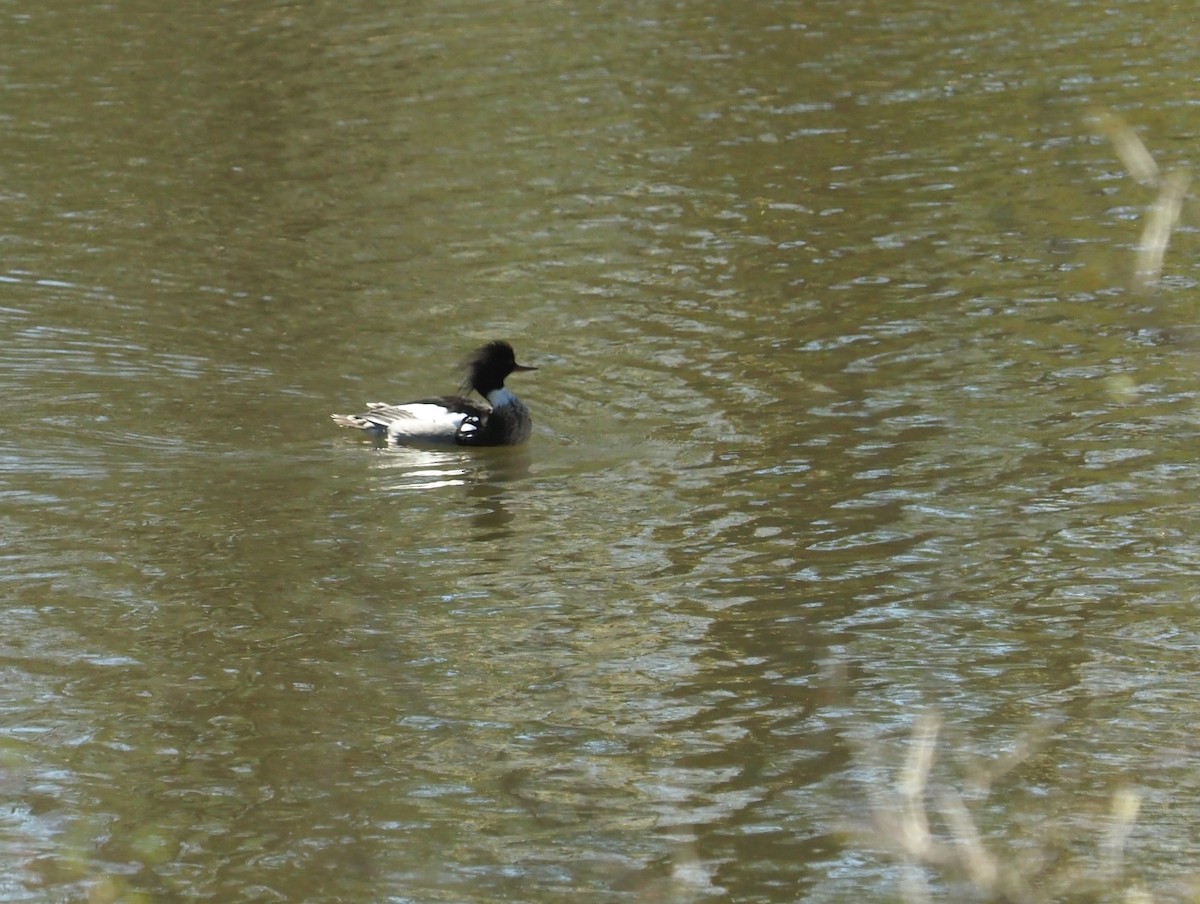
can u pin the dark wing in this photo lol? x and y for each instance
(457, 403)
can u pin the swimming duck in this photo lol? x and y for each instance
(504, 421)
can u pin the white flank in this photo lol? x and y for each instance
(422, 421)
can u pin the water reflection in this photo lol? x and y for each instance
(411, 469)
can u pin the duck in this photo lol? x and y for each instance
(503, 421)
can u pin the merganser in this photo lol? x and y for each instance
(504, 421)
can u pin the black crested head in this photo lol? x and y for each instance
(489, 365)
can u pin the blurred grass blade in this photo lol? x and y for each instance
(1156, 234)
(1129, 147)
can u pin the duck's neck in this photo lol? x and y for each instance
(501, 398)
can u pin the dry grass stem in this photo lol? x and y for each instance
(1125, 806)
(985, 773)
(1163, 214)
(978, 864)
(1160, 222)
(1129, 148)
(914, 826)
(946, 857)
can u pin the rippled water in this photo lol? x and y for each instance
(846, 412)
